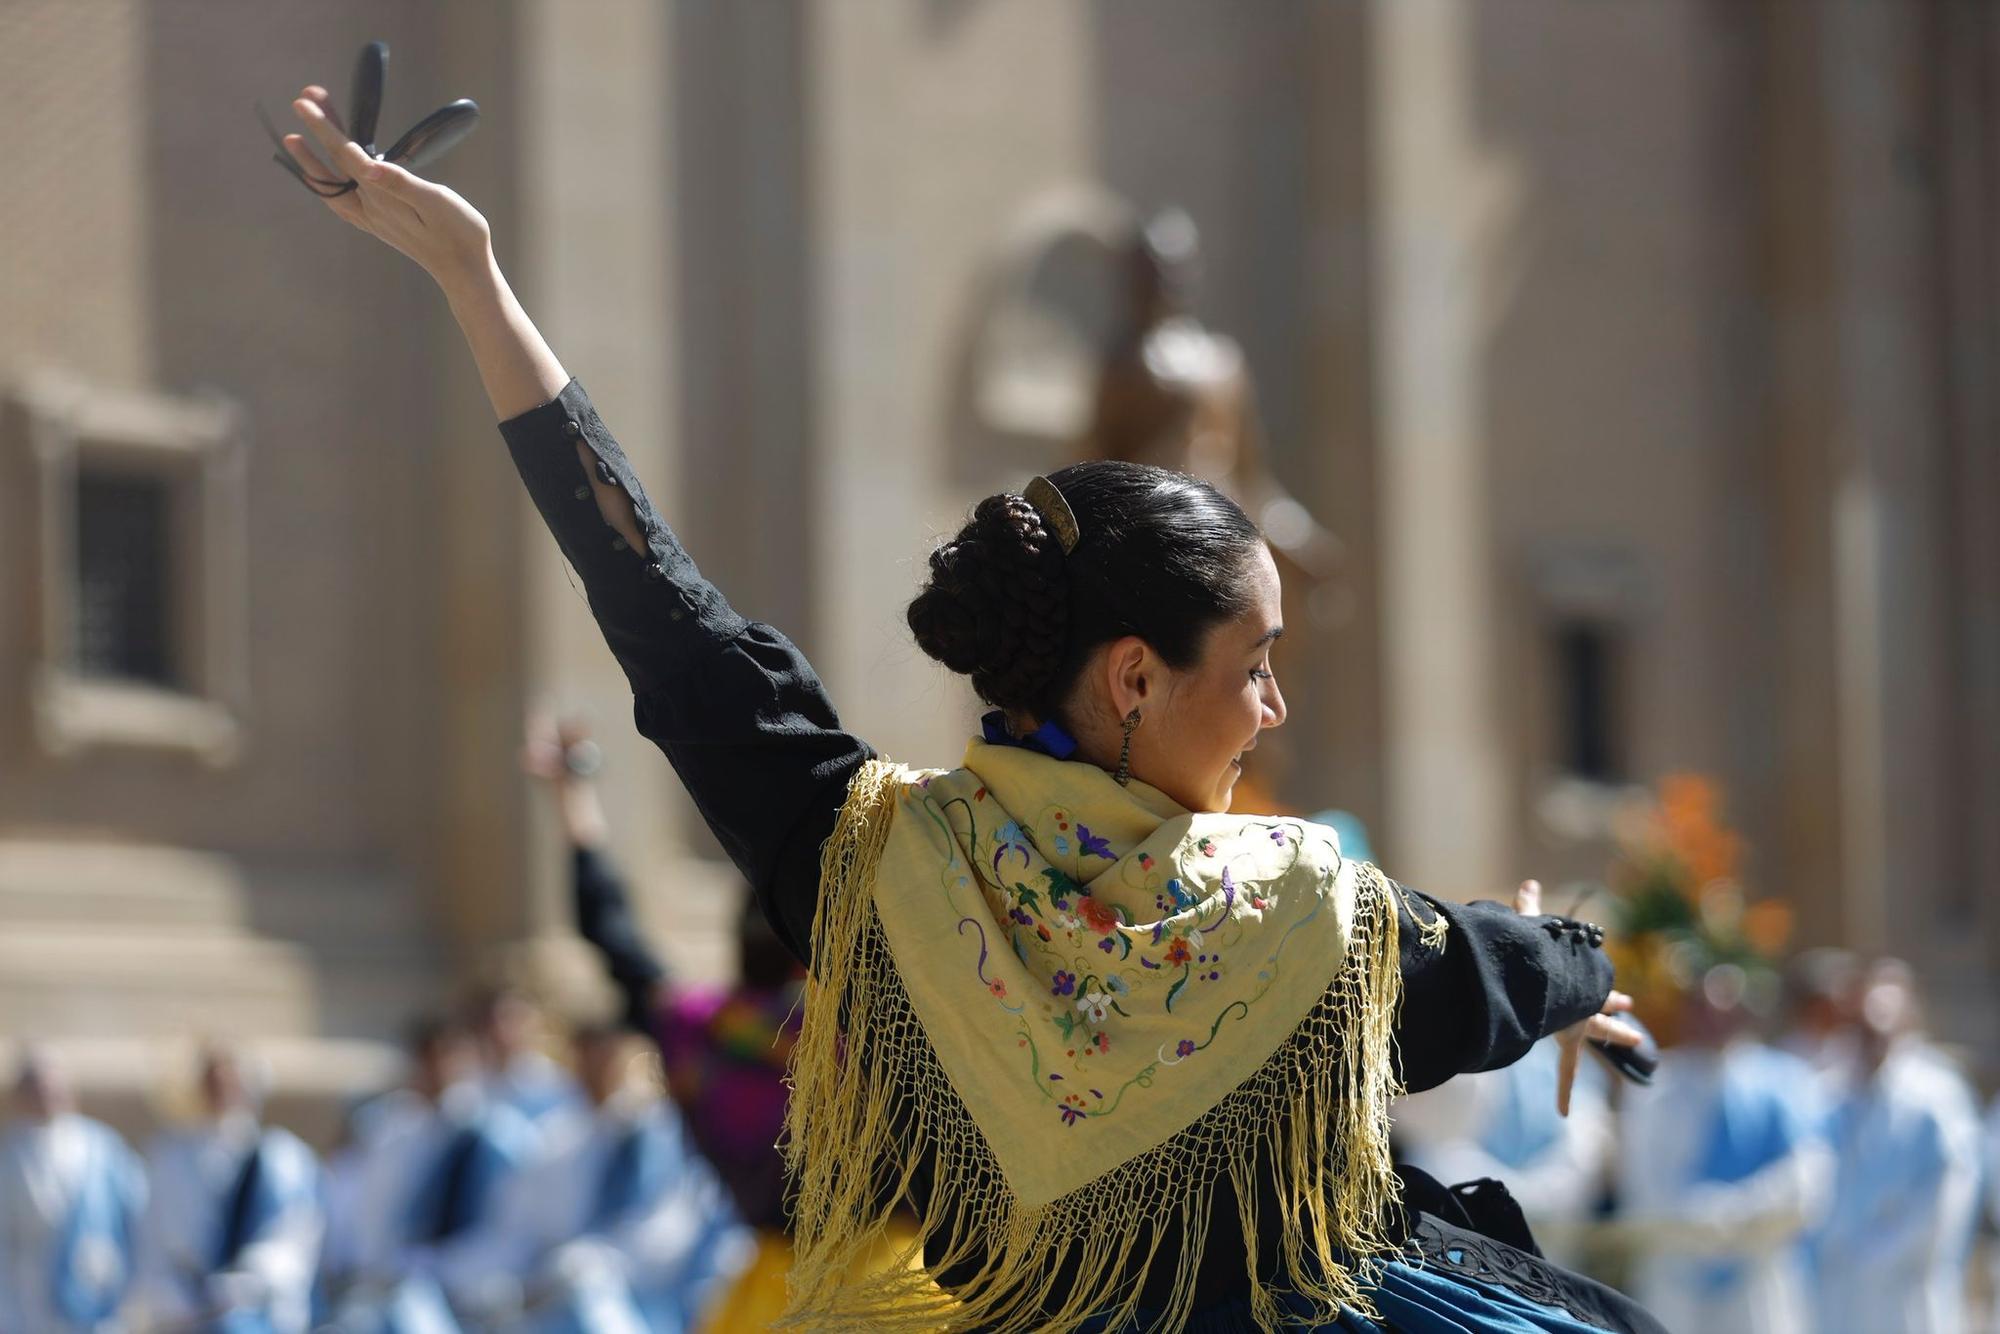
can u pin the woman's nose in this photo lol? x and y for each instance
(1274, 704)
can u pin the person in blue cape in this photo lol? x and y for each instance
(433, 1169)
(71, 1194)
(1891, 1255)
(1503, 1124)
(231, 1235)
(507, 1023)
(1724, 1169)
(620, 1227)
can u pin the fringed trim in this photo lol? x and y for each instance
(870, 1103)
(1431, 929)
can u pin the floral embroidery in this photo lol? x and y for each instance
(1072, 1109)
(1177, 951)
(1010, 841)
(1100, 917)
(1062, 984)
(1184, 1048)
(1212, 963)
(1108, 945)
(1092, 845)
(1092, 1005)
(998, 988)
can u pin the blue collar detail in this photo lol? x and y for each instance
(1050, 738)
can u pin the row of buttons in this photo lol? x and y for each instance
(654, 569)
(1566, 926)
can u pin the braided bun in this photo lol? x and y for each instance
(996, 607)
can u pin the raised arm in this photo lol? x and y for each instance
(735, 706)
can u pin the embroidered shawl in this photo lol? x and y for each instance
(1082, 1006)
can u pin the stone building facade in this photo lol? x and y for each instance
(1643, 356)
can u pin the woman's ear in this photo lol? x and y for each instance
(1130, 669)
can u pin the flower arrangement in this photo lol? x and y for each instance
(1683, 917)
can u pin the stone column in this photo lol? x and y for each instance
(1439, 203)
(600, 184)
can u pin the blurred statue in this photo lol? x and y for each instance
(1177, 395)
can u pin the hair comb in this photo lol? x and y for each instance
(1056, 513)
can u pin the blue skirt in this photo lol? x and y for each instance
(1411, 1300)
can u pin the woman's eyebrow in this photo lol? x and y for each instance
(1271, 635)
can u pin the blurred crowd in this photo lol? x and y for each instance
(494, 1189)
(1826, 1172)
(1823, 1168)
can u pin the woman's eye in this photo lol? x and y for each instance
(1262, 674)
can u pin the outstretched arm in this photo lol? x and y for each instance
(735, 706)
(449, 240)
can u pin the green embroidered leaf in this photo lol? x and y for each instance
(1059, 882)
(1030, 900)
(1175, 989)
(1067, 1023)
(1126, 941)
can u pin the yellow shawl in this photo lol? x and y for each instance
(1085, 1005)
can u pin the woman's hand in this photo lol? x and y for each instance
(449, 239)
(433, 225)
(1600, 1026)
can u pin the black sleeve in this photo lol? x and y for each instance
(604, 918)
(1500, 983)
(735, 705)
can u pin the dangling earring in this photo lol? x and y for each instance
(1124, 774)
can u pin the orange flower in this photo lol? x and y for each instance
(1767, 925)
(1097, 916)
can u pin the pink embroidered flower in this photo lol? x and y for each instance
(998, 988)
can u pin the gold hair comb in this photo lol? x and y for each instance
(1056, 513)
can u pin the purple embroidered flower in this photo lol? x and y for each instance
(1184, 1048)
(1092, 845)
(1107, 944)
(1063, 984)
(1278, 837)
(1070, 1115)
(1020, 916)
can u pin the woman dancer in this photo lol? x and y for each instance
(1127, 1056)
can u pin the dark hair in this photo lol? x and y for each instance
(1160, 555)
